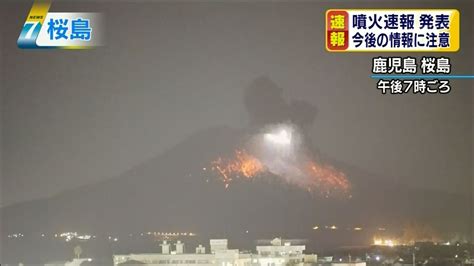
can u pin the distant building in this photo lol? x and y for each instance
(131, 263)
(279, 253)
(218, 245)
(348, 264)
(165, 247)
(276, 254)
(74, 262)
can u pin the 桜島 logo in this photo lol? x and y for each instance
(80, 29)
(68, 30)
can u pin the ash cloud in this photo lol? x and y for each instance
(265, 105)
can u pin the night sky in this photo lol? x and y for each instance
(72, 118)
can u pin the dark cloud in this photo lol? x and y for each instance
(276, 109)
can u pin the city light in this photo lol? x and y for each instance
(385, 242)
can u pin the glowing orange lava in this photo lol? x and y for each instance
(243, 164)
(328, 179)
(313, 176)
